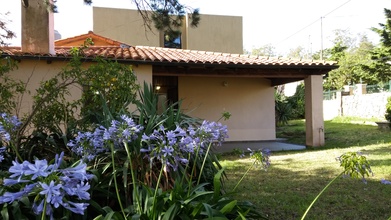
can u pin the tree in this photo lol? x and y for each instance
(265, 50)
(5, 33)
(381, 55)
(297, 53)
(351, 60)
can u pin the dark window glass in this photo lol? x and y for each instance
(172, 41)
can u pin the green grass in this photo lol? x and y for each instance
(296, 177)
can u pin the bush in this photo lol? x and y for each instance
(297, 102)
(388, 110)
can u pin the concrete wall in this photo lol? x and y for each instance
(217, 33)
(214, 32)
(249, 100)
(365, 106)
(124, 25)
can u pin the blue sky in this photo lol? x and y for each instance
(285, 24)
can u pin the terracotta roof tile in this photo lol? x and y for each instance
(166, 55)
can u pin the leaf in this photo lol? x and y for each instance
(171, 212)
(208, 210)
(217, 184)
(228, 208)
(4, 213)
(196, 195)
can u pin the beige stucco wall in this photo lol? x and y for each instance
(249, 100)
(214, 33)
(124, 25)
(33, 72)
(217, 33)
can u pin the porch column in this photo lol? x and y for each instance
(314, 111)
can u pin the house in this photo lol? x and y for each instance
(214, 33)
(207, 82)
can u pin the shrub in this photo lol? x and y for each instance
(388, 110)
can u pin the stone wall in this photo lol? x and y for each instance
(359, 105)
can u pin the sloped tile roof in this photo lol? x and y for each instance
(160, 55)
(98, 40)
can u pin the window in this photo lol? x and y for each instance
(172, 41)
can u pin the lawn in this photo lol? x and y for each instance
(294, 179)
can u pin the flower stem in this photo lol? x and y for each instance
(203, 163)
(241, 179)
(316, 198)
(115, 181)
(192, 170)
(43, 216)
(134, 180)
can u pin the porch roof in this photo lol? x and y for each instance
(166, 61)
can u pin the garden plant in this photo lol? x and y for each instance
(93, 158)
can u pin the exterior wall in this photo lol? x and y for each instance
(249, 100)
(217, 33)
(364, 106)
(124, 25)
(33, 72)
(214, 33)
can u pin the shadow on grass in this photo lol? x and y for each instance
(285, 194)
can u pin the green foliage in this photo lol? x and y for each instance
(283, 110)
(355, 165)
(380, 67)
(10, 89)
(113, 85)
(352, 61)
(266, 50)
(297, 102)
(288, 108)
(388, 109)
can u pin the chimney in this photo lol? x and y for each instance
(37, 27)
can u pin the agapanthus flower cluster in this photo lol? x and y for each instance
(168, 146)
(49, 184)
(8, 126)
(212, 132)
(261, 157)
(90, 144)
(172, 147)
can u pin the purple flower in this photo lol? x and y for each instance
(38, 208)
(386, 182)
(76, 207)
(8, 125)
(81, 191)
(18, 170)
(2, 150)
(12, 196)
(50, 190)
(38, 169)
(167, 151)
(78, 172)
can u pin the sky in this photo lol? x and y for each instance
(285, 24)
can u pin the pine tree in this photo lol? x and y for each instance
(381, 55)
